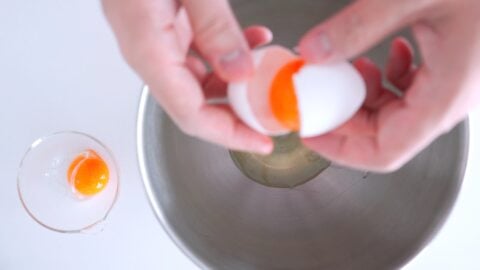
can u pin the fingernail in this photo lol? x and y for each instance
(236, 65)
(318, 48)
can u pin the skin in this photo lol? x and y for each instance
(168, 43)
(389, 130)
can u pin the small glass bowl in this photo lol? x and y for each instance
(46, 193)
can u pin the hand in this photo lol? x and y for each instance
(163, 41)
(389, 130)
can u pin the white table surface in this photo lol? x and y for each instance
(60, 69)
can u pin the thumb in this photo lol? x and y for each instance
(358, 27)
(219, 39)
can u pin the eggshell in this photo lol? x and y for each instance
(250, 100)
(238, 99)
(274, 58)
(327, 96)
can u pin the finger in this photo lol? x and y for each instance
(219, 38)
(213, 86)
(357, 28)
(197, 67)
(358, 152)
(363, 123)
(183, 29)
(400, 68)
(401, 132)
(363, 153)
(258, 36)
(377, 95)
(147, 40)
(329, 145)
(184, 102)
(151, 44)
(373, 80)
(219, 124)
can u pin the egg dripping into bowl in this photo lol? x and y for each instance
(286, 94)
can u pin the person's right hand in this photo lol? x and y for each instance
(157, 38)
(390, 130)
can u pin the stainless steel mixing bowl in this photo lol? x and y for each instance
(342, 219)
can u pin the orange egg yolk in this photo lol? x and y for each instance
(283, 100)
(88, 173)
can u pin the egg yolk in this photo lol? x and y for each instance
(88, 173)
(283, 100)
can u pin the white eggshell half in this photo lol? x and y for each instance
(327, 96)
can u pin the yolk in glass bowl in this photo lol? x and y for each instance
(88, 173)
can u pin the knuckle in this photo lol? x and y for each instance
(213, 30)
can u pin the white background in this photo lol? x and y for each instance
(60, 69)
